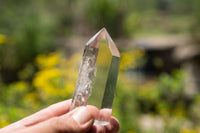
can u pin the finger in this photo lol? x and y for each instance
(79, 120)
(47, 113)
(113, 127)
(51, 111)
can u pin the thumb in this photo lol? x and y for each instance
(79, 120)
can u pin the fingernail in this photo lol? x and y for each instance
(82, 116)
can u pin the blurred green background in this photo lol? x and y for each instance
(41, 43)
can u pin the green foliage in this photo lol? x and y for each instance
(174, 83)
(34, 38)
(132, 23)
(103, 13)
(161, 100)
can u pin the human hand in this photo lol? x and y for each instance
(57, 119)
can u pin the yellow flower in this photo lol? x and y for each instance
(4, 121)
(129, 59)
(21, 85)
(48, 61)
(58, 77)
(47, 80)
(179, 112)
(3, 39)
(31, 97)
(70, 88)
(185, 130)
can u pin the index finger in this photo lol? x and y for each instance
(54, 110)
(57, 109)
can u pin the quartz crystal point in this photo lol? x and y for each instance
(98, 76)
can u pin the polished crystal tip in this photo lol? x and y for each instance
(103, 35)
(98, 75)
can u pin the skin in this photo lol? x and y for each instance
(58, 119)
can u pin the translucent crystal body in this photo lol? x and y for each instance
(98, 76)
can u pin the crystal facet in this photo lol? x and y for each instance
(98, 76)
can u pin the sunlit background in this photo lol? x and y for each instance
(158, 90)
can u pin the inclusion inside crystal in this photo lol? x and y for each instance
(98, 76)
